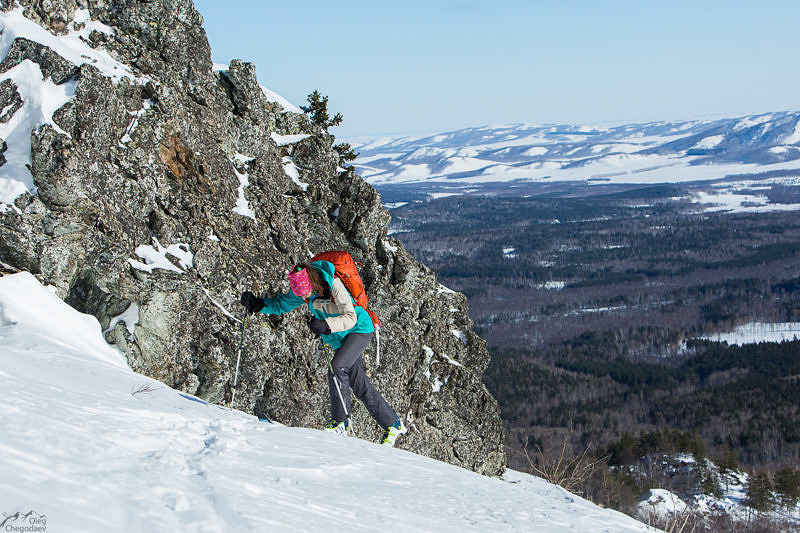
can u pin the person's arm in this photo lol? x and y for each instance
(344, 307)
(283, 303)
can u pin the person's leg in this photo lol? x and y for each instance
(373, 400)
(343, 360)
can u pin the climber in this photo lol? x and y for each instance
(348, 329)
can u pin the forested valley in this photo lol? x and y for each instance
(600, 307)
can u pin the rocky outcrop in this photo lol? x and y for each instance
(163, 189)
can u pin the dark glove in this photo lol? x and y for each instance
(318, 327)
(251, 302)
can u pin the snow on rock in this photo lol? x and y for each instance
(450, 360)
(182, 253)
(156, 257)
(280, 100)
(293, 172)
(129, 317)
(459, 335)
(436, 383)
(122, 452)
(444, 290)
(41, 98)
(270, 95)
(83, 20)
(660, 504)
(74, 46)
(284, 140)
(146, 104)
(242, 206)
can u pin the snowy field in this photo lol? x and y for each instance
(87, 445)
(759, 332)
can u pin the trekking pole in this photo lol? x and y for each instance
(238, 359)
(316, 357)
(341, 398)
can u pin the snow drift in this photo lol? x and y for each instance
(90, 445)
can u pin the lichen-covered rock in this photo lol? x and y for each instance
(162, 194)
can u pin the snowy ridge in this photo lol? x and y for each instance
(94, 446)
(658, 152)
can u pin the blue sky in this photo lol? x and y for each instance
(417, 66)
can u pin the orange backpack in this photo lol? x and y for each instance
(347, 272)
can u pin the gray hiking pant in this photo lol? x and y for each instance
(349, 367)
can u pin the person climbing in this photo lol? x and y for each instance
(344, 326)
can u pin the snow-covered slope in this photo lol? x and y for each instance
(634, 153)
(88, 445)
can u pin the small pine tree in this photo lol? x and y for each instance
(317, 109)
(696, 447)
(346, 154)
(727, 460)
(709, 480)
(787, 484)
(759, 493)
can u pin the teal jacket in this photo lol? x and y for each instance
(289, 301)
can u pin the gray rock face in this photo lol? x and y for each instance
(141, 210)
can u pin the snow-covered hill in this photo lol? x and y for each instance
(88, 445)
(635, 153)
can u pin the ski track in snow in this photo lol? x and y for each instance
(78, 446)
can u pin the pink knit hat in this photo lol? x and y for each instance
(299, 282)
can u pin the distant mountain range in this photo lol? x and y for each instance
(656, 152)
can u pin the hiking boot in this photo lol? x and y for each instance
(336, 427)
(392, 432)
